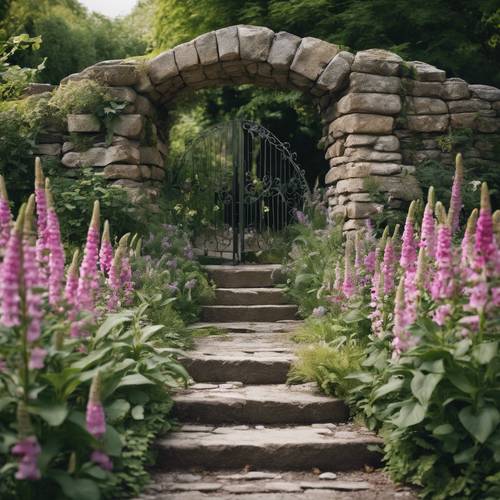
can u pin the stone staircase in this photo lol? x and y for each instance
(246, 293)
(240, 414)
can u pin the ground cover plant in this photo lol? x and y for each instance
(423, 309)
(87, 361)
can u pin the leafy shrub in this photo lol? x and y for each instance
(167, 266)
(430, 352)
(76, 380)
(72, 202)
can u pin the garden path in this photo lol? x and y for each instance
(244, 433)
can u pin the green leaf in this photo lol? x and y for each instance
(443, 430)
(411, 413)
(112, 321)
(53, 413)
(460, 380)
(76, 489)
(134, 379)
(91, 358)
(138, 412)
(422, 386)
(112, 441)
(148, 331)
(394, 384)
(482, 424)
(117, 409)
(485, 352)
(436, 366)
(465, 456)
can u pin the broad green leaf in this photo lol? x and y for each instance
(77, 489)
(117, 409)
(112, 441)
(465, 456)
(411, 413)
(112, 321)
(460, 380)
(138, 412)
(443, 430)
(91, 358)
(134, 379)
(6, 401)
(148, 331)
(54, 413)
(394, 384)
(436, 366)
(485, 352)
(482, 424)
(422, 386)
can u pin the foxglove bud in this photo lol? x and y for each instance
(95, 418)
(456, 195)
(106, 252)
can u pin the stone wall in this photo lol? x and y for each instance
(382, 116)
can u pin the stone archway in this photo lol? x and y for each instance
(381, 115)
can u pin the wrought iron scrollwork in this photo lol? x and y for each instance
(245, 182)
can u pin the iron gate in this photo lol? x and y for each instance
(243, 184)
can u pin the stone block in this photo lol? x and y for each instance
(354, 140)
(486, 92)
(312, 57)
(228, 43)
(357, 210)
(150, 155)
(464, 106)
(488, 125)
(335, 74)
(186, 57)
(384, 104)
(129, 126)
(162, 67)
(83, 123)
(206, 46)
(157, 173)
(427, 123)
(387, 143)
(455, 88)
(122, 94)
(299, 81)
(264, 69)
(366, 154)
(463, 120)
(422, 89)
(283, 50)
(101, 156)
(426, 106)
(122, 171)
(145, 171)
(361, 169)
(194, 75)
(355, 224)
(364, 82)
(426, 72)
(378, 61)
(255, 42)
(404, 187)
(357, 123)
(144, 84)
(143, 106)
(214, 71)
(113, 75)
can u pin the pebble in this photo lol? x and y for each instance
(328, 475)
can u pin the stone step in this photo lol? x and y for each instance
(259, 367)
(249, 296)
(257, 404)
(244, 276)
(248, 313)
(295, 447)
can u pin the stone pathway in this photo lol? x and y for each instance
(243, 432)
